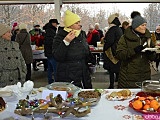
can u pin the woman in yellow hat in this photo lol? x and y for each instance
(71, 51)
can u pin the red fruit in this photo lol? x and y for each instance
(141, 94)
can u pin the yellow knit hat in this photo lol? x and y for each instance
(70, 18)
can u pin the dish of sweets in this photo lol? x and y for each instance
(92, 96)
(145, 103)
(119, 95)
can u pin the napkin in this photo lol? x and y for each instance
(27, 86)
(18, 89)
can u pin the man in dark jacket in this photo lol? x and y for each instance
(50, 29)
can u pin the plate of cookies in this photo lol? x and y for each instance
(119, 95)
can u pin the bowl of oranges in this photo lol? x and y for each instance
(146, 104)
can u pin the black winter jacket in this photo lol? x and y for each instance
(111, 40)
(72, 60)
(48, 39)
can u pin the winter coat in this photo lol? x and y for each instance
(135, 67)
(111, 40)
(23, 38)
(48, 39)
(72, 60)
(12, 64)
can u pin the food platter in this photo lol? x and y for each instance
(142, 110)
(91, 96)
(145, 103)
(63, 86)
(119, 95)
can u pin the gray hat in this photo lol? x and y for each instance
(137, 21)
(4, 28)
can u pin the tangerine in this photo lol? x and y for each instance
(141, 98)
(146, 107)
(147, 102)
(137, 104)
(154, 104)
(150, 98)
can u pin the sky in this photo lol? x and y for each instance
(125, 8)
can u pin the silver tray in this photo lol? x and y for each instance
(63, 86)
(151, 86)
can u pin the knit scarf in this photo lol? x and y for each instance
(77, 32)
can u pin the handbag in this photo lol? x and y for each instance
(109, 54)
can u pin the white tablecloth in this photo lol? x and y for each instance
(104, 110)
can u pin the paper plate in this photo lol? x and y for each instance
(117, 98)
(149, 49)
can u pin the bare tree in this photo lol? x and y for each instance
(152, 13)
(8, 13)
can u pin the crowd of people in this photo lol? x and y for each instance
(68, 54)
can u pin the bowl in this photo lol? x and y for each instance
(151, 87)
(90, 96)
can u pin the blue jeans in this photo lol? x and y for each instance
(51, 69)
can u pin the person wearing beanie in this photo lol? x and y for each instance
(23, 38)
(135, 63)
(12, 64)
(50, 32)
(15, 24)
(111, 39)
(71, 53)
(37, 38)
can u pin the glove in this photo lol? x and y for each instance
(138, 49)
